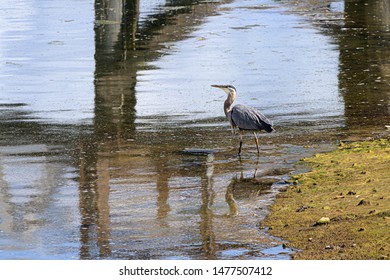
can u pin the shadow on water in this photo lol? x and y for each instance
(152, 174)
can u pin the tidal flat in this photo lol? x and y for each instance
(341, 208)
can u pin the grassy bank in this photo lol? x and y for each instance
(341, 208)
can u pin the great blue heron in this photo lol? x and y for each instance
(243, 117)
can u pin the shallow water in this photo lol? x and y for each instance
(113, 144)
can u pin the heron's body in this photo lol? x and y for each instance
(248, 118)
(244, 117)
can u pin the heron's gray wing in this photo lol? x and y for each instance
(248, 118)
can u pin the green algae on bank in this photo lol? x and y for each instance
(350, 189)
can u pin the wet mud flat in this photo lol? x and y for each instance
(340, 209)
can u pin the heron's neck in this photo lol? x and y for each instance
(228, 103)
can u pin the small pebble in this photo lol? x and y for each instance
(322, 221)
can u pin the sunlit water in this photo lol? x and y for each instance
(114, 145)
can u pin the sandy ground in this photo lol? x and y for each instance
(341, 208)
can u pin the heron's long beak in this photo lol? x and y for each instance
(218, 86)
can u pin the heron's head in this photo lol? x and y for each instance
(229, 89)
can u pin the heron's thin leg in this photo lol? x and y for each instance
(257, 166)
(239, 149)
(257, 142)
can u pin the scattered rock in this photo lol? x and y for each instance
(303, 208)
(364, 203)
(351, 193)
(384, 214)
(322, 221)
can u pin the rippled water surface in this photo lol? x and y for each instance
(113, 145)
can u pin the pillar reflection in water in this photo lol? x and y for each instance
(115, 72)
(125, 174)
(364, 77)
(206, 213)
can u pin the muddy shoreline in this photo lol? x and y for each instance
(340, 209)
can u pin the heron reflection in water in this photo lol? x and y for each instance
(243, 117)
